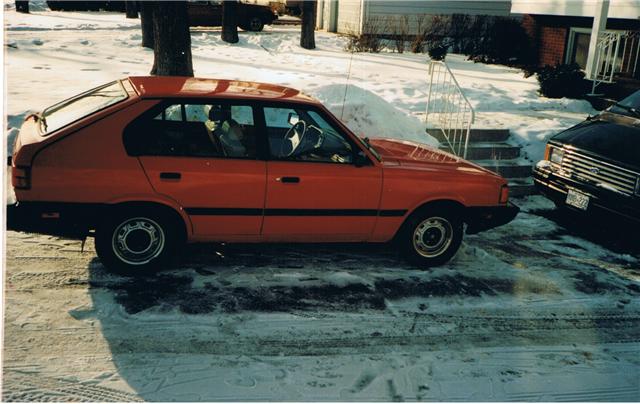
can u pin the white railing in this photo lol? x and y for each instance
(448, 110)
(616, 52)
(630, 53)
(606, 57)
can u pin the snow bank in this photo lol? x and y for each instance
(367, 114)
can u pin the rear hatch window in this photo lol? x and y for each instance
(75, 108)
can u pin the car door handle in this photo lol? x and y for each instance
(289, 180)
(170, 176)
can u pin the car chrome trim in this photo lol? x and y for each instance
(293, 212)
(579, 166)
(224, 211)
(556, 190)
(432, 236)
(575, 150)
(120, 241)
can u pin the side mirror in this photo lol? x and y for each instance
(293, 118)
(360, 159)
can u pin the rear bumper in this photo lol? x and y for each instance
(56, 219)
(483, 218)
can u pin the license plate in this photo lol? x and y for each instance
(578, 200)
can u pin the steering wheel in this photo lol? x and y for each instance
(297, 130)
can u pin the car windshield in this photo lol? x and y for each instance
(68, 111)
(328, 129)
(630, 106)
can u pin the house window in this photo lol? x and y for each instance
(578, 48)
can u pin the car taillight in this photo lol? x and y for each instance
(21, 177)
(504, 194)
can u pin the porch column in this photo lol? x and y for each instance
(320, 14)
(599, 25)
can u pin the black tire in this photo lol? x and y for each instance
(138, 241)
(254, 24)
(431, 236)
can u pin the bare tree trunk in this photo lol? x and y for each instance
(22, 6)
(230, 21)
(131, 8)
(146, 21)
(172, 39)
(307, 35)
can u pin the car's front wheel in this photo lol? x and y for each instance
(432, 237)
(136, 242)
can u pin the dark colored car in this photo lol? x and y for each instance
(251, 17)
(55, 5)
(595, 165)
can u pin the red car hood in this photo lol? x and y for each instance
(408, 153)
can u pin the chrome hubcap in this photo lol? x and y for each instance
(137, 241)
(432, 236)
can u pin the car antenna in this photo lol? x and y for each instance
(346, 85)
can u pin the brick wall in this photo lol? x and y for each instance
(553, 42)
(549, 39)
(549, 34)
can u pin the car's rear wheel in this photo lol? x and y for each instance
(432, 236)
(137, 242)
(255, 24)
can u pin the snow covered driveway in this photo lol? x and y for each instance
(524, 312)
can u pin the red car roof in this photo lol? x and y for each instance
(171, 86)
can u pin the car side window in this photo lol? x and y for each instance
(302, 134)
(196, 130)
(171, 113)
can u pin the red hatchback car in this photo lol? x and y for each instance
(147, 163)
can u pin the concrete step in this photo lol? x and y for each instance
(507, 168)
(489, 151)
(521, 187)
(476, 135)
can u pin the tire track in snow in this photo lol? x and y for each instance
(23, 387)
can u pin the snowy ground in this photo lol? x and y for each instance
(526, 312)
(529, 311)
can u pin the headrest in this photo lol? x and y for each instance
(216, 113)
(219, 113)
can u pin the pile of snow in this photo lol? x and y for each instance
(369, 114)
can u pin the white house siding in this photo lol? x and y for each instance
(470, 7)
(350, 16)
(382, 10)
(326, 15)
(628, 9)
(353, 14)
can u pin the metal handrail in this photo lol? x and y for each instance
(607, 55)
(450, 109)
(611, 45)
